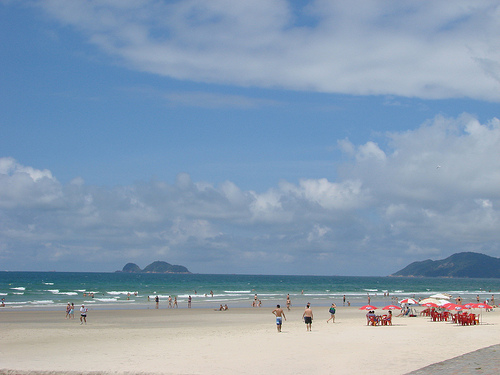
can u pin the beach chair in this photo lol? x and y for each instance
(373, 321)
(387, 320)
(434, 316)
(465, 319)
(470, 319)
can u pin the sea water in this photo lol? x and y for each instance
(53, 290)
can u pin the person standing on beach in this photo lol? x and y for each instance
(332, 313)
(308, 317)
(288, 302)
(83, 314)
(157, 300)
(72, 311)
(189, 302)
(343, 300)
(280, 314)
(68, 309)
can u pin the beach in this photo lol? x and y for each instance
(239, 340)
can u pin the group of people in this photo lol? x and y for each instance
(372, 319)
(172, 303)
(307, 316)
(256, 301)
(70, 312)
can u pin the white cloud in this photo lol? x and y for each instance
(317, 233)
(348, 194)
(396, 208)
(427, 49)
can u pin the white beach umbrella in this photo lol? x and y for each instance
(439, 302)
(441, 296)
(409, 301)
(431, 300)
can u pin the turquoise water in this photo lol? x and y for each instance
(53, 290)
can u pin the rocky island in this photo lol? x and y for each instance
(155, 267)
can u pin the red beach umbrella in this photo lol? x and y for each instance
(481, 306)
(469, 305)
(452, 306)
(391, 307)
(368, 307)
(430, 304)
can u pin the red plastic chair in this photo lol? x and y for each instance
(387, 320)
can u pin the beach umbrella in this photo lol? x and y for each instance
(453, 306)
(409, 301)
(391, 307)
(430, 304)
(441, 296)
(481, 306)
(368, 307)
(438, 302)
(469, 305)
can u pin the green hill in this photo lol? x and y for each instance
(155, 267)
(164, 267)
(466, 264)
(131, 268)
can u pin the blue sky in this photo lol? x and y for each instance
(342, 138)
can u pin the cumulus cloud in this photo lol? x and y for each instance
(390, 205)
(427, 49)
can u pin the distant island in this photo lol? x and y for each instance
(466, 264)
(155, 267)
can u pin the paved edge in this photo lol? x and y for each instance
(483, 361)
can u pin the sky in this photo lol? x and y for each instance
(251, 137)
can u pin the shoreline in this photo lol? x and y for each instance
(243, 340)
(52, 291)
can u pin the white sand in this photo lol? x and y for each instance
(240, 341)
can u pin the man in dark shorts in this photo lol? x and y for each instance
(280, 314)
(83, 314)
(308, 317)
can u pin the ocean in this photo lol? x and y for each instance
(53, 290)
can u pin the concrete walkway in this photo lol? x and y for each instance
(481, 362)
